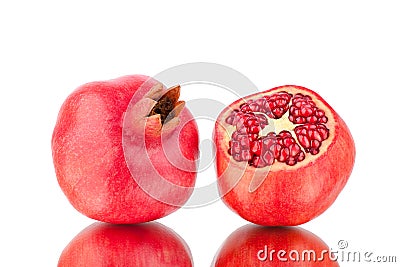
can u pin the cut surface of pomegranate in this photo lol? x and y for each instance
(249, 144)
(293, 144)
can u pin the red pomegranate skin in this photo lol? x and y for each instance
(89, 158)
(148, 244)
(253, 245)
(288, 195)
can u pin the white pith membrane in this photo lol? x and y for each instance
(278, 125)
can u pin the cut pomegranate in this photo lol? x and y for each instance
(289, 142)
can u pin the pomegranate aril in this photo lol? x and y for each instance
(324, 133)
(235, 147)
(277, 104)
(261, 103)
(288, 141)
(284, 154)
(312, 119)
(254, 129)
(315, 144)
(304, 110)
(319, 113)
(314, 135)
(277, 150)
(269, 158)
(244, 140)
(253, 137)
(254, 107)
(301, 156)
(258, 162)
(291, 161)
(229, 120)
(246, 121)
(256, 147)
(268, 142)
(297, 104)
(294, 112)
(304, 142)
(285, 133)
(245, 108)
(310, 136)
(246, 155)
(294, 149)
(262, 151)
(237, 157)
(242, 130)
(299, 120)
(238, 118)
(281, 102)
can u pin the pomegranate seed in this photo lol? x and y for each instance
(245, 155)
(229, 120)
(284, 154)
(301, 156)
(269, 158)
(254, 107)
(258, 162)
(256, 147)
(235, 147)
(294, 149)
(277, 150)
(261, 151)
(304, 142)
(291, 161)
(242, 130)
(245, 108)
(315, 144)
(253, 137)
(320, 113)
(254, 129)
(237, 157)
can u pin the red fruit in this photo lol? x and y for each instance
(150, 244)
(287, 174)
(253, 245)
(111, 136)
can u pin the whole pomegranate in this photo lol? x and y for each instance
(253, 245)
(110, 136)
(283, 156)
(149, 244)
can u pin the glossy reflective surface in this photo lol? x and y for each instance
(150, 244)
(253, 245)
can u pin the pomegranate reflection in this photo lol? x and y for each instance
(149, 244)
(253, 245)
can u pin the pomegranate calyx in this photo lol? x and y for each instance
(158, 112)
(166, 104)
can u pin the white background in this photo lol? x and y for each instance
(347, 51)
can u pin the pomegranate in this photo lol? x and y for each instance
(149, 244)
(253, 245)
(282, 157)
(111, 135)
